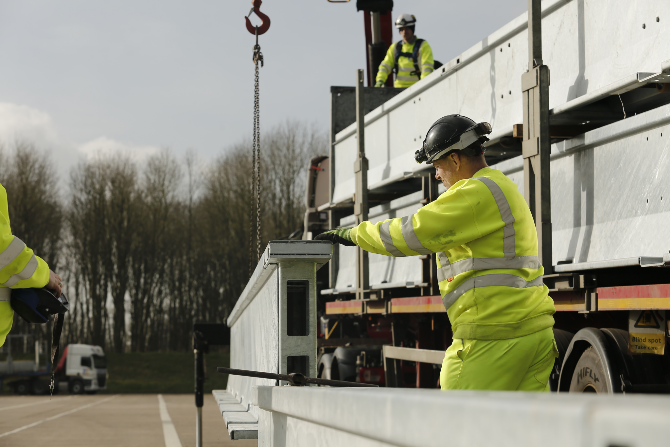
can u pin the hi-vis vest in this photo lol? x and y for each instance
(19, 267)
(405, 68)
(489, 273)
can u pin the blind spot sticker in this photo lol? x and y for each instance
(646, 332)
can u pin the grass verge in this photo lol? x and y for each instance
(162, 372)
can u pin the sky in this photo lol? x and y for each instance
(82, 77)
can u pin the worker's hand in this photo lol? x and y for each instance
(379, 84)
(55, 283)
(339, 236)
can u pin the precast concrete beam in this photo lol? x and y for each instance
(308, 416)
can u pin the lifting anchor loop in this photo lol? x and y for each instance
(265, 20)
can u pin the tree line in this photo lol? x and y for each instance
(146, 248)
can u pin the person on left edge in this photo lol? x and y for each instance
(19, 269)
(411, 59)
(490, 276)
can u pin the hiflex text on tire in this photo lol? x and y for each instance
(589, 374)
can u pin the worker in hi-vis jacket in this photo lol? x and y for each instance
(411, 59)
(19, 269)
(488, 269)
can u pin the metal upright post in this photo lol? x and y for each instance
(536, 140)
(199, 379)
(361, 197)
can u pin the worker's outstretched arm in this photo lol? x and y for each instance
(386, 67)
(427, 62)
(448, 222)
(19, 267)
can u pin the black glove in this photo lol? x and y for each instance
(339, 236)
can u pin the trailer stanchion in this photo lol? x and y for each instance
(204, 336)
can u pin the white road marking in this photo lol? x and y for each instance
(169, 432)
(41, 402)
(25, 427)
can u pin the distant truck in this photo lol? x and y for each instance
(81, 369)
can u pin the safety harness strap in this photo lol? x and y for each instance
(414, 56)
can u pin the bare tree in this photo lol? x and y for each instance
(122, 220)
(150, 255)
(90, 247)
(160, 242)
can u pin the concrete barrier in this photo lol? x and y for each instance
(308, 416)
(273, 326)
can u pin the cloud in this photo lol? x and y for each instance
(104, 147)
(24, 123)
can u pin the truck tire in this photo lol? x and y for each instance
(22, 387)
(39, 387)
(589, 374)
(563, 339)
(76, 387)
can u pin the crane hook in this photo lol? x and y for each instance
(265, 20)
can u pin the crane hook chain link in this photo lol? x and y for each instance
(256, 166)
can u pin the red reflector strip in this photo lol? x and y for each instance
(655, 296)
(418, 304)
(344, 307)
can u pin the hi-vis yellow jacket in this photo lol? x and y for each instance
(406, 65)
(19, 267)
(488, 268)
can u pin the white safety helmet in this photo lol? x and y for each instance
(405, 20)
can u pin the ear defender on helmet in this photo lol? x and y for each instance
(452, 133)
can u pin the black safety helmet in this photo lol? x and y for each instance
(37, 305)
(452, 133)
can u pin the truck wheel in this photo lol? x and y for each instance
(76, 387)
(22, 387)
(39, 387)
(563, 339)
(589, 374)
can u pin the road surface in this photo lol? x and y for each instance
(110, 420)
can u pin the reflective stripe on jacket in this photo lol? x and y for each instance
(489, 273)
(19, 267)
(406, 66)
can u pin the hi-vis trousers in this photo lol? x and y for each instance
(522, 364)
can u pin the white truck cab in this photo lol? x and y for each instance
(82, 368)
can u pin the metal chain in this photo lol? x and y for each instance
(256, 165)
(253, 188)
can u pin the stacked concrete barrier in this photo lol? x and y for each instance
(272, 327)
(324, 417)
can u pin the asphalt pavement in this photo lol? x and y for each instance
(110, 420)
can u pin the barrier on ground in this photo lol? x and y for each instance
(273, 326)
(308, 416)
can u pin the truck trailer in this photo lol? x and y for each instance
(81, 369)
(579, 102)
